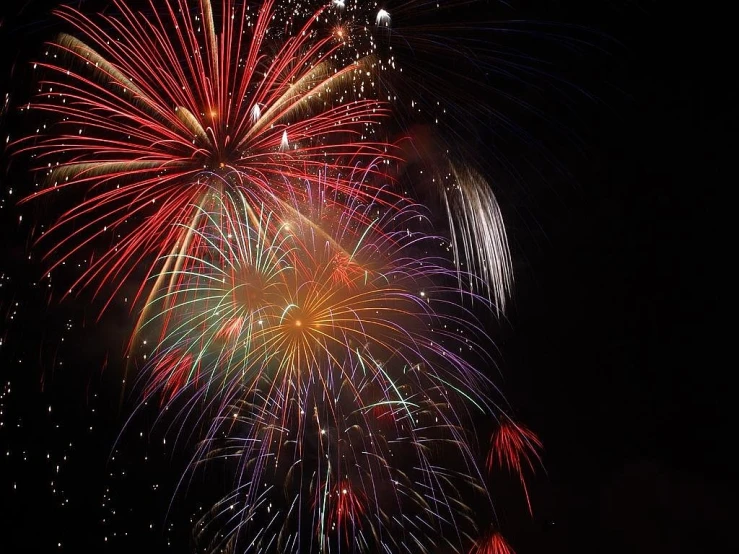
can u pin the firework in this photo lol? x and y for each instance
(493, 544)
(287, 292)
(149, 109)
(325, 322)
(517, 449)
(358, 469)
(307, 322)
(154, 108)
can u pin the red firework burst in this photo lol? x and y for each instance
(493, 544)
(345, 508)
(515, 447)
(170, 373)
(155, 110)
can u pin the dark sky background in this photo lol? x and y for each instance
(611, 352)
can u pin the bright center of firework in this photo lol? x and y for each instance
(340, 33)
(299, 324)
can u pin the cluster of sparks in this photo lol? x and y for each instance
(307, 320)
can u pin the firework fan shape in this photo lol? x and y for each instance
(494, 543)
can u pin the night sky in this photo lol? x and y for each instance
(611, 349)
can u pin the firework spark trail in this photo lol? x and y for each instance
(478, 233)
(493, 544)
